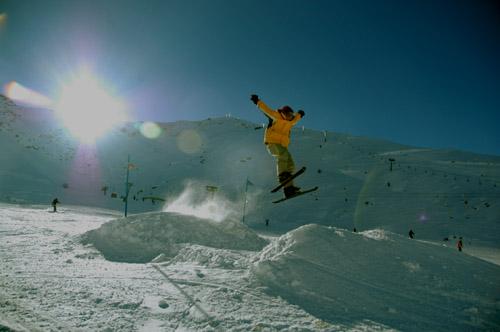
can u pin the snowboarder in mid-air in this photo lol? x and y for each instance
(277, 139)
(54, 204)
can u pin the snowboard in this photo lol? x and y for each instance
(294, 175)
(300, 193)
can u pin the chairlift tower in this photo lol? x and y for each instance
(391, 160)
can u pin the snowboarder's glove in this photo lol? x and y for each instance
(255, 99)
(302, 113)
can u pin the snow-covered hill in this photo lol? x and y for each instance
(437, 193)
(189, 264)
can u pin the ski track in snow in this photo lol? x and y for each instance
(51, 282)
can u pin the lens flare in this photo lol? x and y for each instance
(87, 109)
(3, 20)
(24, 95)
(423, 217)
(150, 130)
(85, 176)
(189, 141)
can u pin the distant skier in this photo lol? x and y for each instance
(54, 204)
(411, 234)
(460, 244)
(277, 139)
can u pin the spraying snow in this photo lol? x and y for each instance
(200, 203)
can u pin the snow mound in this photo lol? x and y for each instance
(212, 257)
(337, 275)
(142, 237)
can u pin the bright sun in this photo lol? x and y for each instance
(87, 109)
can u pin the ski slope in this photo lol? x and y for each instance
(183, 261)
(315, 278)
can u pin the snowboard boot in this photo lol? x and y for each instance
(290, 191)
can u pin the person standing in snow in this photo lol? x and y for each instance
(460, 244)
(277, 139)
(54, 203)
(411, 234)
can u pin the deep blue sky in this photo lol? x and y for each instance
(425, 73)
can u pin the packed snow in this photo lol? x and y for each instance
(51, 281)
(140, 238)
(341, 276)
(314, 278)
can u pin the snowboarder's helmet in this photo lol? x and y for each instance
(285, 110)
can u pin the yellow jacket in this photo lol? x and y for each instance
(279, 132)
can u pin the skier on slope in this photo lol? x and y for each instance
(460, 244)
(54, 204)
(411, 234)
(277, 139)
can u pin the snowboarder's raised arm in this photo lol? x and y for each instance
(267, 110)
(264, 108)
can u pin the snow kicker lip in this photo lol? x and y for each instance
(140, 238)
(401, 283)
